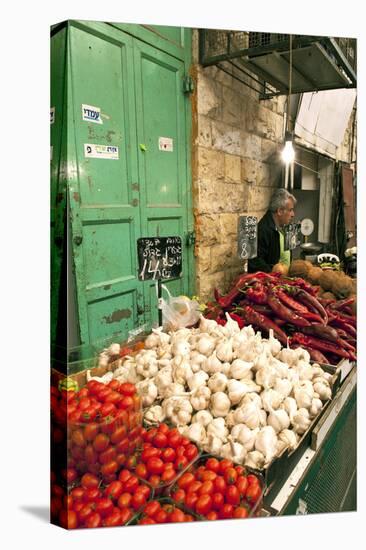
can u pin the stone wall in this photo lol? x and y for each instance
(237, 139)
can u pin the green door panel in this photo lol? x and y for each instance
(58, 155)
(173, 34)
(163, 173)
(105, 205)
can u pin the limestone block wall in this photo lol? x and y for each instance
(236, 142)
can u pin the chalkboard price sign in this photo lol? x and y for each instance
(292, 235)
(159, 258)
(247, 237)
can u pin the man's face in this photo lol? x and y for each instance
(287, 214)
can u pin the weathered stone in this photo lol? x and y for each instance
(221, 257)
(232, 169)
(209, 98)
(250, 146)
(204, 131)
(207, 283)
(203, 259)
(228, 226)
(270, 150)
(225, 138)
(207, 232)
(210, 164)
(214, 197)
(231, 106)
(249, 170)
(259, 197)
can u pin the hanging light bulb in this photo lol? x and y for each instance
(288, 153)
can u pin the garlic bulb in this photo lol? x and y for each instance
(181, 347)
(207, 325)
(245, 436)
(155, 414)
(316, 407)
(250, 415)
(197, 380)
(217, 382)
(236, 390)
(148, 391)
(280, 368)
(206, 345)
(181, 370)
(103, 359)
(266, 377)
(288, 356)
(231, 326)
(289, 437)
(173, 390)
(290, 406)
(163, 379)
(203, 417)
(279, 420)
(220, 404)
(305, 370)
(302, 354)
(271, 399)
(224, 351)
(105, 379)
(255, 459)
(239, 369)
(266, 442)
(301, 421)
(196, 432)
(251, 397)
(213, 445)
(152, 341)
(200, 398)
(323, 390)
(283, 387)
(114, 349)
(233, 451)
(218, 428)
(178, 410)
(212, 364)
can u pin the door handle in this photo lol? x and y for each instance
(78, 240)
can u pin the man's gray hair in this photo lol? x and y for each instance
(279, 198)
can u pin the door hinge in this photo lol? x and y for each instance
(190, 238)
(188, 85)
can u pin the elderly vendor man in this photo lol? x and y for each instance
(271, 238)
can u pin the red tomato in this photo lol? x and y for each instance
(160, 440)
(91, 431)
(74, 417)
(230, 476)
(177, 516)
(126, 515)
(163, 428)
(121, 459)
(226, 511)
(168, 455)
(108, 425)
(114, 385)
(194, 486)
(199, 472)
(138, 501)
(208, 475)
(106, 456)
(174, 440)
(84, 392)
(124, 501)
(217, 501)
(242, 485)
(113, 398)
(253, 493)
(232, 495)
(168, 475)
(89, 481)
(56, 506)
(123, 445)
(118, 434)
(252, 479)
(152, 508)
(84, 403)
(240, 512)
(77, 506)
(190, 500)
(68, 501)
(161, 516)
(114, 490)
(77, 438)
(131, 484)
(68, 519)
(191, 452)
(220, 484)
(155, 465)
(104, 506)
(70, 474)
(141, 470)
(144, 490)
(107, 409)
(90, 454)
(180, 451)
(94, 520)
(126, 402)
(101, 442)
(179, 495)
(91, 494)
(113, 519)
(84, 512)
(77, 493)
(109, 468)
(124, 475)
(180, 463)
(212, 515)
(103, 394)
(127, 389)
(149, 452)
(224, 464)
(207, 488)
(240, 470)
(146, 521)
(185, 441)
(154, 480)
(203, 504)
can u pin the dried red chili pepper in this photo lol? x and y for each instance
(289, 301)
(310, 302)
(263, 322)
(284, 312)
(316, 343)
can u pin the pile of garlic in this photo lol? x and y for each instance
(234, 393)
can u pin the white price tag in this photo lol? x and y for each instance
(166, 144)
(109, 152)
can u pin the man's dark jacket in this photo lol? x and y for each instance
(268, 252)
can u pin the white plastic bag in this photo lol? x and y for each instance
(178, 312)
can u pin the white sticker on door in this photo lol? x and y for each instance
(109, 152)
(91, 114)
(165, 144)
(52, 115)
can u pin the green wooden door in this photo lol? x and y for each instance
(138, 90)
(57, 170)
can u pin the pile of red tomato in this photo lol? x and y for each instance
(161, 511)
(218, 489)
(164, 455)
